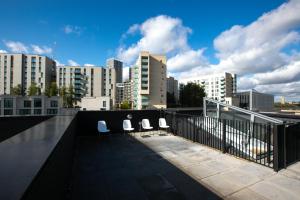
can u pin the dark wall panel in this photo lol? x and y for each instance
(13, 125)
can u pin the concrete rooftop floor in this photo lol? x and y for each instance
(170, 167)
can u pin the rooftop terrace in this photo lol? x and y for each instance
(65, 158)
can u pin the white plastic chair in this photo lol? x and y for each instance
(146, 125)
(102, 128)
(163, 124)
(127, 126)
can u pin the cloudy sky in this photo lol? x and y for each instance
(257, 40)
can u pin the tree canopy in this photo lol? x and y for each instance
(191, 95)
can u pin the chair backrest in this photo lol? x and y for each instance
(145, 123)
(162, 122)
(126, 124)
(102, 126)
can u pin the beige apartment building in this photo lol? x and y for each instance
(149, 81)
(23, 69)
(112, 75)
(86, 81)
(124, 93)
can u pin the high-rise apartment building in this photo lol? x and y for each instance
(112, 75)
(218, 86)
(149, 81)
(172, 87)
(87, 81)
(124, 93)
(24, 69)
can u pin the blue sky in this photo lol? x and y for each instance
(259, 40)
(102, 23)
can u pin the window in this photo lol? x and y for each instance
(27, 103)
(37, 103)
(104, 104)
(51, 111)
(8, 103)
(53, 104)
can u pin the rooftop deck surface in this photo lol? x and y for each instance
(169, 167)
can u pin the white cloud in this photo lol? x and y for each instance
(2, 51)
(88, 65)
(186, 60)
(58, 63)
(16, 47)
(259, 46)
(68, 29)
(72, 63)
(161, 34)
(41, 50)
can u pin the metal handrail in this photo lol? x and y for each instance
(258, 115)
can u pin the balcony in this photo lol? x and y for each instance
(64, 157)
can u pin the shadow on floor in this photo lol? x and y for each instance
(120, 167)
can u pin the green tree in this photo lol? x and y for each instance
(125, 105)
(51, 90)
(17, 90)
(171, 101)
(70, 97)
(191, 95)
(34, 89)
(63, 93)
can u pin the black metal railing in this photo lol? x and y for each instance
(250, 141)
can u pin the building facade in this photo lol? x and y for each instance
(172, 87)
(95, 103)
(23, 70)
(113, 74)
(255, 101)
(29, 105)
(218, 86)
(149, 81)
(87, 81)
(124, 93)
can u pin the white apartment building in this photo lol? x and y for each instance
(87, 81)
(29, 105)
(218, 86)
(172, 87)
(149, 81)
(23, 69)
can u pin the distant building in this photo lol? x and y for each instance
(113, 74)
(255, 101)
(172, 87)
(149, 81)
(124, 93)
(24, 69)
(95, 103)
(282, 100)
(87, 81)
(30, 105)
(218, 86)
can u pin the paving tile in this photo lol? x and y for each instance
(200, 171)
(245, 194)
(272, 192)
(289, 184)
(220, 185)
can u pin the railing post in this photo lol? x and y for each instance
(278, 147)
(224, 136)
(268, 143)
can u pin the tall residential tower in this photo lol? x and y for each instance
(149, 81)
